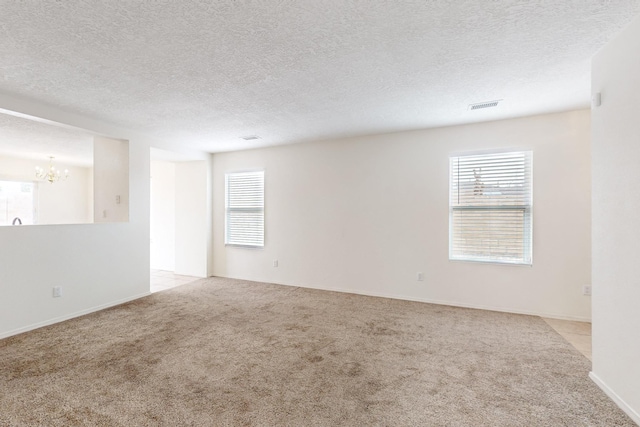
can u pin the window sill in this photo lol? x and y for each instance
(234, 245)
(497, 262)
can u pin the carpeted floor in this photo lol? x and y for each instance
(227, 352)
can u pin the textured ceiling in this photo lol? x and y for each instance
(25, 138)
(205, 73)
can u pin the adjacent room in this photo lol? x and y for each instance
(319, 213)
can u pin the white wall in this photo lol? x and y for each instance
(192, 218)
(110, 179)
(64, 202)
(97, 265)
(366, 214)
(616, 223)
(163, 215)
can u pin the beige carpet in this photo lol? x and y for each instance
(227, 352)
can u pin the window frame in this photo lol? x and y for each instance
(527, 209)
(35, 197)
(231, 209)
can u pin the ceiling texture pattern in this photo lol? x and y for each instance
(30, 139)
(206, 73)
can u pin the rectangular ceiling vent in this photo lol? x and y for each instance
(487, 104)
(250, 137)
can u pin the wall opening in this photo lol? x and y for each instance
(65, 174)
(178, 250)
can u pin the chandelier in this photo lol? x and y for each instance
(52, 174)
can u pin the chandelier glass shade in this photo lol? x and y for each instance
(52, 174)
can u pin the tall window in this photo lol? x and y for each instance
(490, 207)
(17, 202)
(244, 222)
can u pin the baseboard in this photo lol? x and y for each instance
(513, 311)
(613, 396)
(70, 316)
(432, 301)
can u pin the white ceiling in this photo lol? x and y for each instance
(205, 73)
(30, 139)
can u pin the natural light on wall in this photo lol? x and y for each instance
(490, 207)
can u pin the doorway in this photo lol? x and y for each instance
(178, 220)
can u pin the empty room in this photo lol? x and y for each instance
(319, 213)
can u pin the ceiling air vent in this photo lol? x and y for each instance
(250, 137)
(487, 104)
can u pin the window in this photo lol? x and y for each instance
(490, 207)
(244, 222)
(17, 202)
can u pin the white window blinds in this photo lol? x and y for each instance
(490, 207)
(244, 222)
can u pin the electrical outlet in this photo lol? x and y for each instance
(586, 290)
(275, 262)
(420, 277)
(57, 291)
(117, 200)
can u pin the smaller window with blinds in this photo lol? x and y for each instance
(490, 203)
(244, 200)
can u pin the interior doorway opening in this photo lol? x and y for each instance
(178, 224)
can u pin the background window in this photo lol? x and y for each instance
(490, 207)
(244, 222)
(17, 200)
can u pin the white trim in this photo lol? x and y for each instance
(467, 211)
(70, 316)
(426, 300)
(616, 399)
(503, 150)
(254, 241)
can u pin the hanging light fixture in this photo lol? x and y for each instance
(52, 174)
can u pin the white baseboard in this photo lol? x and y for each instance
(432, 301)
(613, 396)
(70, 316)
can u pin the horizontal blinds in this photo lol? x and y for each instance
(245, 208)
(489, 234)
(491, 180)
(490, 207)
